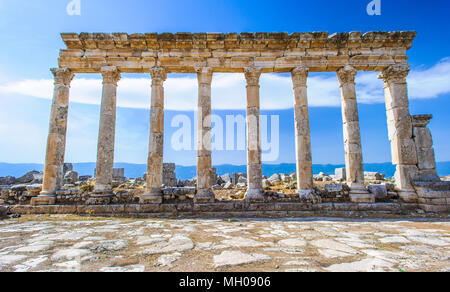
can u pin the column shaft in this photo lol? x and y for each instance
(204, 143)
(153, 193)
(404, 154)
(56, 141)
(352, 136)
(302, 132)
(254, 166)
(106, 135)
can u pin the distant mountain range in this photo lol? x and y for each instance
(188, 172)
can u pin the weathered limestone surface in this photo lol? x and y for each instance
(169, 176)
(404, 154)
(426, 161)
(273, 52)
(153, 193)
(106, 136)
(56, 142)
(352, 137)
(254, 166)
(302, 132)
(204, 143)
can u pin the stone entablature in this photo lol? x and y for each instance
(272, 52)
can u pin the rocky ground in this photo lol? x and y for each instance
(70, 243)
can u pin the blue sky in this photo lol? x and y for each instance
(31, 43)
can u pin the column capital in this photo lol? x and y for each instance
(62, 76)
(421, 121)
(300, 75)
(395, 73)
(204, 75)
(252, 75)
(159, 75)
(110, 75)
(346, 74)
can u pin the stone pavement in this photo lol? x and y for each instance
(70, 243)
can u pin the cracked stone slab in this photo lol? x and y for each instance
(365, 265)
(292, 242)
(127, 269)
(243, 242)
(175, 244)
(238, 258)
(332, 248)
(109, 245)
(394, 239)
(11, 259)
(35, 247)
(70, 254)
(167, 260)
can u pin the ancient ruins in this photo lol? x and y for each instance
(252, 54)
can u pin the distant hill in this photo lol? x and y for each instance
(188, 172)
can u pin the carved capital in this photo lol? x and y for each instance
(346, 75)
(110, 75)
(421, 121)
(159, 75)
(300, 75)
(204, 75)
(252, 75)
(395, 73)
(62, 76)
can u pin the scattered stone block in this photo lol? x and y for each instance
(226, 178)
(67, 167)
(34, 190)
(32, 177)
(340, 174)
(7, 181)
(266, 183)
(85, 178)
(3, 211)
(228, 186)
(119, 174)
(71, 177)
(380, 191)
(374, 176)
(274, 179)
(169, 176)
(334, 188)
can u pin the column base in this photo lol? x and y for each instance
(255, 195)
(152, 197)
(44, 198)
(100, 198)
(204, 196)
(309, 196)
(408, 196)
(359, 194)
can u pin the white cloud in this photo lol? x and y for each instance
(228, 90)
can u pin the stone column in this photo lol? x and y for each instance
(204, 143)
(404, 154)
(56, 141)
(352, 137)
(305, 183)
(254, 167)
(106, 137)
(153, 193)
(426, 160)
